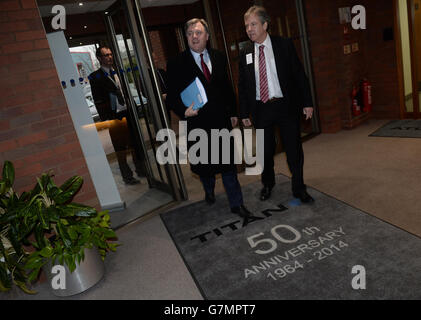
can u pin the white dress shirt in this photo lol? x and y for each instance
(206, 58)
(274, 87)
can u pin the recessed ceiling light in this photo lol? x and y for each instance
(70, 38)
(85, 27)
(80, 4)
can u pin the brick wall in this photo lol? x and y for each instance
(36, 130)
(335, 72)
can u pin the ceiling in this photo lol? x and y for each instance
(72, 6)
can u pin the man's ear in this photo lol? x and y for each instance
(265, 26)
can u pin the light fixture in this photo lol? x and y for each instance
(80, 4)
(85, 27)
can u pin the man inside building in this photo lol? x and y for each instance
(111, 105)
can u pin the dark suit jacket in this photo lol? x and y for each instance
(292, 79)
(181, 71)
(102, 86)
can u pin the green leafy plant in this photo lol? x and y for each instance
(12, 252)
(59, 229)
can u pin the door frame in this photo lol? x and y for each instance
(172, 171)
(416, 114)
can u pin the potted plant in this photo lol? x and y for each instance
(59, 230)
(12, 253)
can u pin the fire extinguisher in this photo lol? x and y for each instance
(366, 88)
(356, 109)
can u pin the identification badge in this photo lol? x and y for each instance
(249, 58)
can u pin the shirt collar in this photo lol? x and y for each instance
(106, 70)
(196, 55)
(267, 43)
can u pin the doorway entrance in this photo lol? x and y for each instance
(129, 88)
(409, 51)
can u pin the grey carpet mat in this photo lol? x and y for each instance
(400, 128)
(294, 252)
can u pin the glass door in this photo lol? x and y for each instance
(409, 17)
(145, 110)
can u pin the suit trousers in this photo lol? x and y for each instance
(231, 184)
(269, 116)
(122, 143)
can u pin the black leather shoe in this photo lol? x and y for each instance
(242, 211)
(131, 181)
(210, 198)
(265, 193)
(304, 197)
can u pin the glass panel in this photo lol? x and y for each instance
(416, 9)
(406, 55)
(145, 95)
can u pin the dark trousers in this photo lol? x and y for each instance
(273, 115)
(231, 184)
(122, 143)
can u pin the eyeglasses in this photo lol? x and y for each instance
(107, 55)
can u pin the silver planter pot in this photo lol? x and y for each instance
(64, 283)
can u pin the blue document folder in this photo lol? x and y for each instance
(195, 92)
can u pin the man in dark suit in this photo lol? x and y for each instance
(110, 104)
(210, 66)
(274, 91)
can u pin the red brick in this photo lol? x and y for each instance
(37, 106)
(13, 26)
(28, 169)
(31, 66)
(56, 160)
(39, 156)
(8, 145)
(4, 125)
(33, 138)
(43, 74)
(42, 44)
(72, 165)
(42, 125)
(4, 16)
(28, 4)
(15, 79)
(9, 5)
(23, 15)
(11, 101)
(35, 55)
(18, 47)
(25, 120)
(30, 35)
(67, 148)
(6, 38)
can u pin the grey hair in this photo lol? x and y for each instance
(194, 21)
(260, 12)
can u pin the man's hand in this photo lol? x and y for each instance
(190, 112)
(234, 121)
(246, 122)
(308, 113)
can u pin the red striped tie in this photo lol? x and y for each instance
(205, 68)
(264, 90)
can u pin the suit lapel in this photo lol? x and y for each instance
(279, 55)
(249, 50)
(214, 62)
(196, 68)
(107, 80)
